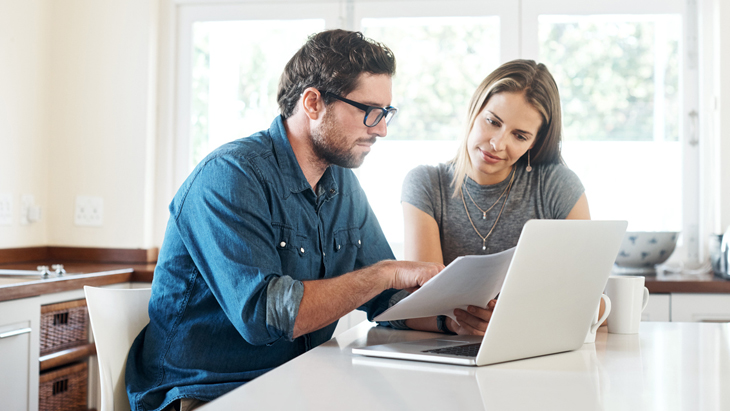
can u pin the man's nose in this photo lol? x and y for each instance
(380, 129)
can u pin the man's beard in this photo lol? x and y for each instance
(330, 145)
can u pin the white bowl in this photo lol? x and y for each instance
(642, 250)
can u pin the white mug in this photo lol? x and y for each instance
(591, 335)
(629, 298)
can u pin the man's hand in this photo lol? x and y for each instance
(409, 275)
(474, 321)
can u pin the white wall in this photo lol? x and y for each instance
(23, 113)
(79, 117)
(101, 117)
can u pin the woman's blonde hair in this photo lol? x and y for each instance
(540, 90)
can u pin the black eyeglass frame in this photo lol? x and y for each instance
(383, 112)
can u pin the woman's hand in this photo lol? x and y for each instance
(473, 321)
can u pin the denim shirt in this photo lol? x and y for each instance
(245, 230)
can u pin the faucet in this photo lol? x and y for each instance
(59, 269)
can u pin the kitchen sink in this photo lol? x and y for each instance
(22, 276)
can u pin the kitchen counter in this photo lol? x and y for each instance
(84, 266)
(78, 275)
(667, 366)
(665, 282)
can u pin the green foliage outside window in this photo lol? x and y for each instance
(440, 62)
(607, 76)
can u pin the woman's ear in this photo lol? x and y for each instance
(312, 103)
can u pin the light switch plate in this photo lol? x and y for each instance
(6, 209)
(27, 206)
(89, 211)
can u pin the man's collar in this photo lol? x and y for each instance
(294, 178)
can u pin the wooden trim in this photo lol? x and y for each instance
(66, 356)
(106, 255)
(20, 255)
(57, 285)
(59, 254)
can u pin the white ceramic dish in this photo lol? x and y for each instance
(641, 251)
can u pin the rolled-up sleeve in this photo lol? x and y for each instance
(283, 296)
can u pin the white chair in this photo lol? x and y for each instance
(117, 316)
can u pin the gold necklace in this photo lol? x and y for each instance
(484, 238)
(484, 212)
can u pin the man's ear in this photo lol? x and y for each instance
(312, 103)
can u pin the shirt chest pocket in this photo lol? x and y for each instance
(348, 240)
(294, 251)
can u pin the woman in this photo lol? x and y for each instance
(508, 169)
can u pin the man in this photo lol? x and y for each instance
(271, 239)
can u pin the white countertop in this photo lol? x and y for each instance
(667, 366)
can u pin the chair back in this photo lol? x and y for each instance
(117, 316)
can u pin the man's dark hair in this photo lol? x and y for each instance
(331, 61)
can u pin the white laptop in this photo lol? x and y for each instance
(546, 304)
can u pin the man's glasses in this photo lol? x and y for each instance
(373, 114)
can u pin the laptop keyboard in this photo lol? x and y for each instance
(469, 350)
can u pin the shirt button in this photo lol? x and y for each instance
(323, 254)
(339, 246)
(282, 244)
(332, 191)
(358, 242)
(301, 249)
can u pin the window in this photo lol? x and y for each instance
(618, 76)
(229, 59)
(629, 88)
(441, 60)
(621, 68)
(235, 77)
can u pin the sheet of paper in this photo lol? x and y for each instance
(468, 280)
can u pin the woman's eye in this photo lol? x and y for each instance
(490, 121)
(521, 137)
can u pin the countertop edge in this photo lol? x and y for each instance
(74, 282)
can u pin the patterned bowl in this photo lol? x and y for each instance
(642, 250)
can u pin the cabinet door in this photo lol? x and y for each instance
(19, 354)
(658, 308)
(15, 365)
(700, 307)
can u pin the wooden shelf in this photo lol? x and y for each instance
(67, 356)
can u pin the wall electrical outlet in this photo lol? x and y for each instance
(89, 211)
(29, 211)
(6, 209)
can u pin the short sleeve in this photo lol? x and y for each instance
(562, 190)
(421, 188)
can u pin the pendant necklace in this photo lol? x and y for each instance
(507, 191)
(484, 212)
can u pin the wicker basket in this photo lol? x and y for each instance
(64, 325)
(64, 389)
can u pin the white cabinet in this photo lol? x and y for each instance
(658, 308)
(20, 349)
(19, 346)
(688, 307)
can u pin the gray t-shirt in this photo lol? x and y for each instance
(549, 191)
